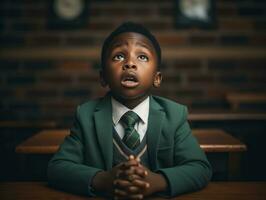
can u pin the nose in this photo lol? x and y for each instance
(129, 64)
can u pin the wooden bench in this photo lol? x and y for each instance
(215, 190)
(210, 140)
(236, 99)
(225, 115)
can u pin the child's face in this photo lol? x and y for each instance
(131, 68)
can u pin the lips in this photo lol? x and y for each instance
(129, 80)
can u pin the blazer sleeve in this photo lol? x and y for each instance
(191, 170)
(66, 170)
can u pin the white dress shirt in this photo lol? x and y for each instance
(142, 110)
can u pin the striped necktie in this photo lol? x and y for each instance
(131, 138)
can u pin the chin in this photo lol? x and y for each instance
(133, 96)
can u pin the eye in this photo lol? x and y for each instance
(118, 57)
(143, 58)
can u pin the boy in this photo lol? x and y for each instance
(130, 144)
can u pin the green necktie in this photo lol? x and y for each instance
(131, 138)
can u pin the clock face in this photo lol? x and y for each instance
(68, 9)
(196, 9)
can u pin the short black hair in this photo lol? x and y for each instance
(130, 27)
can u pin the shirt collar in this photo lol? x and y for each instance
(142, 110)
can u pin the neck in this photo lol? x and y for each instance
(131, 103)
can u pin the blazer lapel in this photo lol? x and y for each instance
(104, 130)
(156, 117)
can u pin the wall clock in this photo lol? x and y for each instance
(195, 13)
(68, 14)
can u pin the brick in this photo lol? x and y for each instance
(35, 12)
(191, 93)
(234, 40)
(77, 93)
(6, 93)
(258, 79)
(36, 66)
(88, 79)
(203, 40)
(8, 66)
(235, 24)
(22, 26)
(252, 11)
(59, 104)
(222, 65)
(172, 79)
(157, 25)
(201, 79)
(232, 79)
(260, 24)
(11, 40)
(45, 93)
(2, 24)
(186, 65)
(121, 11)
(75, 66)
(107, 11)
(43, 40)
(21, 80)
(252, 65)
(82, 41)
(227, 11)
(172, 40)
(10, 12)
(100, 26)
(167, 11)
(23, 110)
(258, 40)
(209, 104)
(55, 79)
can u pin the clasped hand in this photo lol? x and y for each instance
(132, 180)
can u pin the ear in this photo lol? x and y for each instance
(157, 79)
(102, 79)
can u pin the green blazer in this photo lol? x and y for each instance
(172, 149)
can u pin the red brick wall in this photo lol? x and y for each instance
(50, 87)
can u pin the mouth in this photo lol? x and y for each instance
(129, 80)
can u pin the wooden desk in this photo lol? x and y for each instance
(210, 140)
(214, 191)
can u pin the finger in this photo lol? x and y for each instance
(125, 174)
(119, 183)
(141, 172)
(120, 193)
(133, 190)
(137, 159)
(134, 170)
(129, 171)
(131, 157)
(130, 163)
(133, 177)
(140, 184)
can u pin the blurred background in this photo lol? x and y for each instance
(214, 61)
